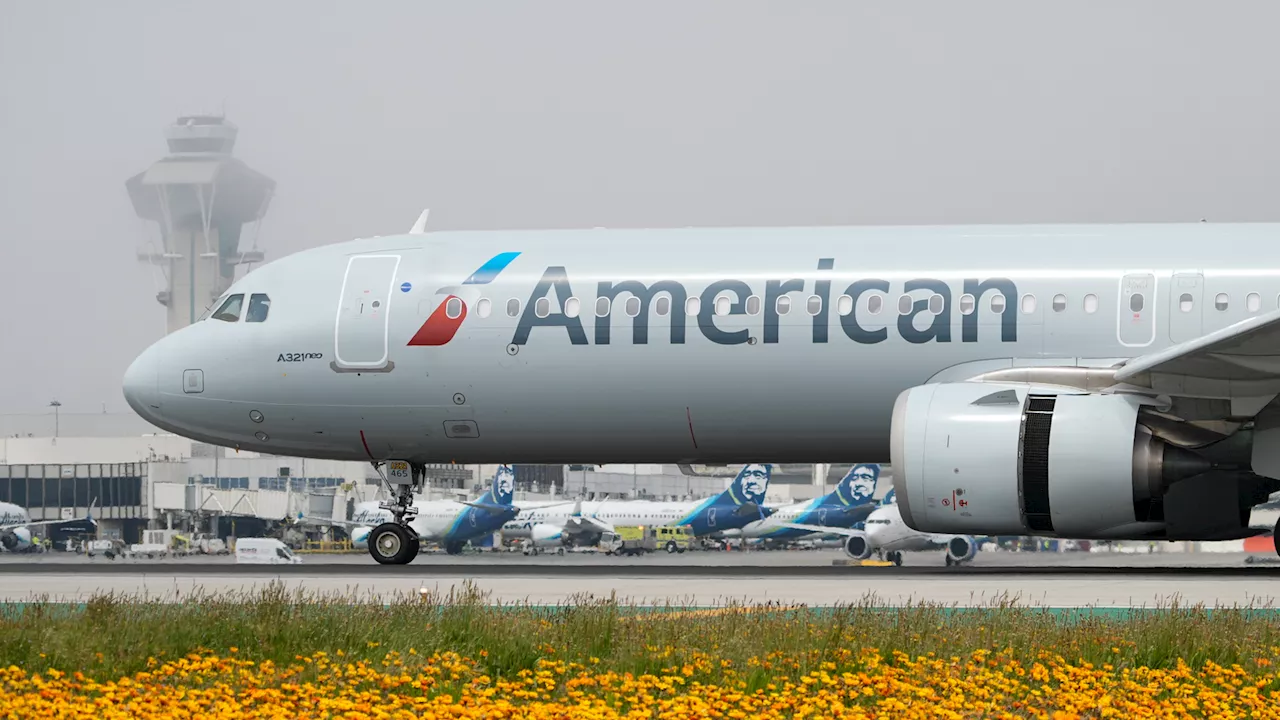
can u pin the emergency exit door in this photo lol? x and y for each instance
(1136, 315)
(361, 331)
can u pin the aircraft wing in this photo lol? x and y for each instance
(581, 523)
(39, 523)
(847, 532)
(42, 523)
(496, 509)
(330, 521)
(1240, 360)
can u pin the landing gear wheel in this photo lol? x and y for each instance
(391, 544)
(949, 563)
(416, 548)
(1275, 537)
(453, 548)
(895, 557)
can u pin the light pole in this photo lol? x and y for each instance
(55, 405)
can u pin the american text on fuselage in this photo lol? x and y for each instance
(930, 299)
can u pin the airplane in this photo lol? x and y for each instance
(885, 534)
(449, 523)
(16, 524)
(846, 506)
(1099, 381)
(555, 525)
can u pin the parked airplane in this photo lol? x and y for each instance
(16, 524)
(1083, 381)
(449, 523)
(846, 506)
(885, 535)
(582, 523)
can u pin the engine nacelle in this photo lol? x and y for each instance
(857, 547)
(16, 539)
(961, 548)
(546, 535)
(1017, 459)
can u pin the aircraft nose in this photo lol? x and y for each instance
(141, 383)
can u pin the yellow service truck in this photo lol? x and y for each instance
(637, 539)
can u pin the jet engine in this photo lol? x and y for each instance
(960, 549)
(857, 547)
(16, 539)
(1019, 459)
(546, 535)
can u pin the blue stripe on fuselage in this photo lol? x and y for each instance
(490, 269)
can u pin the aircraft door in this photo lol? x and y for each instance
(1137, 311)
(1186, 311)
(362, 327)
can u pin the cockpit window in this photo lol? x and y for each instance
(230, 310)
(209, 309)
(259, 305)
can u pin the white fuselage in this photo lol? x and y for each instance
(885, 531)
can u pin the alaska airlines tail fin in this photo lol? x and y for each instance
(748, 489)
(857, 487)
(500, 494)
(504, 485)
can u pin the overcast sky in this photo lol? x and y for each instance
(580, 114)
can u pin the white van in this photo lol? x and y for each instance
(264, 551)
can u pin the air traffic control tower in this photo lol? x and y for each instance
(202, 198)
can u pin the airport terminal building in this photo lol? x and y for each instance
(137, 477)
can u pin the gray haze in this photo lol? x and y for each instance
(579, 114)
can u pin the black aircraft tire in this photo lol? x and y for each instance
(1275, 537)
(391, 544)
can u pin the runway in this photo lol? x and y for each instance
(703, 580)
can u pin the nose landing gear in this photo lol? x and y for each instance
(396, 542)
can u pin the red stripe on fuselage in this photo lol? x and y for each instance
(439, 328)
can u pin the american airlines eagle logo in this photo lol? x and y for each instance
(445, 320)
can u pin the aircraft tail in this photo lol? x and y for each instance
(746, 493)
(856, 488)
(501, 492)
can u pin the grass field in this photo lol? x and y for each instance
(280, 654)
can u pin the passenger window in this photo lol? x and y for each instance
(484, 308)
(1135, 302)
(1059, 302)
(1253, 301)
(967, 304)
(875, 304)
(1186, 302)
(753, 305)
(784, 305)
(513, 307)
(259, 306)
(572, 307)
(1220, 302)
(230, 310)
(997, 303)
(692, 306)
(1091, 303)
(814, 305)
(662, 305)
(542, 307)
(722, 306)
(633, 306)
(904, 304)
(602, 307)
(844, 305)
(453, 308)
(935, 304)
(1028, 304)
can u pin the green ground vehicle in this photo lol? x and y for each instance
(637, 539)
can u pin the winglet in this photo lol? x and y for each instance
(420, 227)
